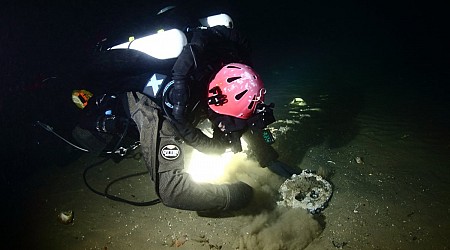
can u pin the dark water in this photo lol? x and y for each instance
(378, 72)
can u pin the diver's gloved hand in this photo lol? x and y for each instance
(282, 169)
(197, 139)
(232, 139)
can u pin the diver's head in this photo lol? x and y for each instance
(235, 91)
(217, 20)
(183, 15)
(236, 102)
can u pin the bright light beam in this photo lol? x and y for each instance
(210, 168)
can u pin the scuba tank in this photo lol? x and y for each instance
(161, 45)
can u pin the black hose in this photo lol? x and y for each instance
(113, 197)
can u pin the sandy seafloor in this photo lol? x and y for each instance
(374, 78)
(397, 199)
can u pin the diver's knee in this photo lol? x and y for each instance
(168, 199)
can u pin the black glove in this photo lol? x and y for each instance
(231, 139)
(197, 139)
(282, 169)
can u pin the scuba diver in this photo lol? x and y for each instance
(205, 74)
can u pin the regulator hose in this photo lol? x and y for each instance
(113, 197)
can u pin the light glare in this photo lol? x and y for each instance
(208, 168)
(205, 168)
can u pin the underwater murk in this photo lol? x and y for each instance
(360, 98)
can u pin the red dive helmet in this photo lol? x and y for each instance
(235, 91)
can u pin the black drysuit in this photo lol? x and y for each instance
(164, 133)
